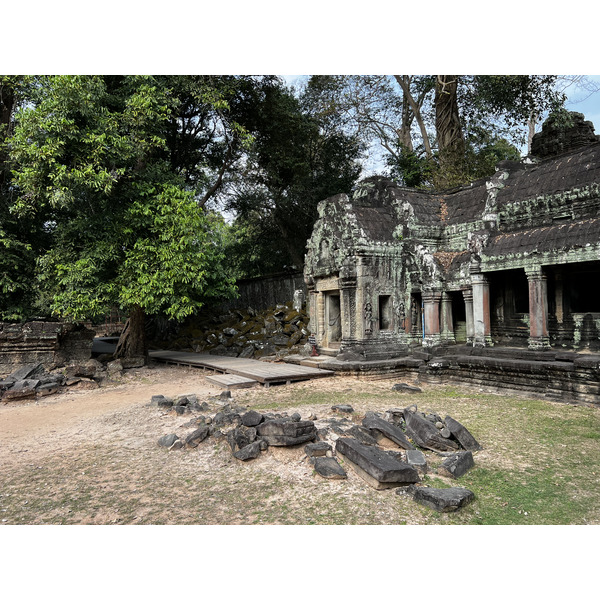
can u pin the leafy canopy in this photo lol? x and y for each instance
(92, 159)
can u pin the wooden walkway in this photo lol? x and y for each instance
(245, 370)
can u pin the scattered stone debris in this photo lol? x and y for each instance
(249, 433)
(374, 465)
(278, 331)
(440, 499)
(35, 380)
(317, 449)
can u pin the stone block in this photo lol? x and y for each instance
(342, 408)
(252, 418)
(425, 434)
(417, 459)
(280, 432)
(166, 441)
(462, 434)
(249, 451)
(441, 499)
(363, 435)
(317, 449)
(240, 436)
(328, 467)
(406, 388)
(390, 431)
(457, 464)
(374, 465)
(197, 436)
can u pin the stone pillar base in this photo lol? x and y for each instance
(539, 343)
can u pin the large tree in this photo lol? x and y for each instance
(92, 159)
(295, 162)
(427, 125)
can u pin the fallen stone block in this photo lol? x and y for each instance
(395, 416)
(390, 431)
(342, 408)
(317, 449)
(329, 468)
(21, 390)
(363, 435)
(26, 372)
(417, 459)
(441, 499)
(252, 418)
(457, 464)
(240, 436)
(376, 467)
(425, 434)
(166, 441)
(406, 387)
(160, 401)
(46, 389)
(249, 451)
(197, 436)
(227, 418)
(280, 432)
(462, 434)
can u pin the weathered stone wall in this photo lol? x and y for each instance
(261, 293)
(52, 344)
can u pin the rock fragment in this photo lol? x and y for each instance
(425, 434)
(392, 432)
(441, 499)
(462, 434)
(329, 468)
(457, 464)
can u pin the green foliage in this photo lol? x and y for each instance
(294, 164)
(92, 161)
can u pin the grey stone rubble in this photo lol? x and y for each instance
(327, 441)
(35, 380)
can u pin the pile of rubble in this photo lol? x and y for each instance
(33, 381)
(278, 331)
(362, 443)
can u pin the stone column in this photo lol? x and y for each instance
(320, 304)
(481, 310)
(447, 333)
(558, 297)
(431, 308)
(538, 309)
(468, 297)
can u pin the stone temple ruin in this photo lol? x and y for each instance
(496, 282)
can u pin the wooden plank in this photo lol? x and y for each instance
(231, 381)
(261, 371)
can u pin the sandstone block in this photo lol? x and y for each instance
(280, 432)
(374, 465)
(390, 431)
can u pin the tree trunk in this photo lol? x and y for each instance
(451, 145)
(132, 343)
(404, 83)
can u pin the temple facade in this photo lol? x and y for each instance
(512, 260)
